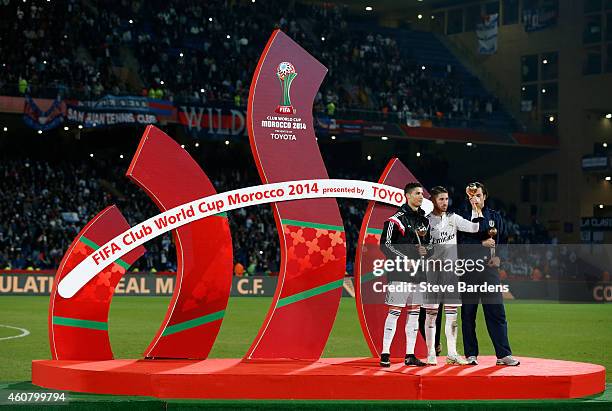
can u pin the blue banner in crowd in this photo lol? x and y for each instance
(487, 34)
(108, 111)
(118, 110)
(132, 104)
(37, 119)
(90, 117)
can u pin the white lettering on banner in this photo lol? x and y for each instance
(283, 127)
(219, 203)
(602, 292)
(108, 119)
(277, 136)
(194, 117)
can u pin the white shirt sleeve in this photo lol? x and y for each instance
(465, 225)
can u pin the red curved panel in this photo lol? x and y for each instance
(312, 239)
(78, 326)
(371, 307)
(171, 177)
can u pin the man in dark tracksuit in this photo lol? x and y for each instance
(478, 246)
(400, 239)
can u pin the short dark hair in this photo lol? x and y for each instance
(411, 186)
(482, 187)
(437, 190)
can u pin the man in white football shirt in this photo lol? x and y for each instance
(444, 226)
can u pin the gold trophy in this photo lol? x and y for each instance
(492, 234)
(471, 190)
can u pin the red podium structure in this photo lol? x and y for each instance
(171, 177)
(283, 361)
(327, 378)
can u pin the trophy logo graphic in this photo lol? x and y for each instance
(286, 73)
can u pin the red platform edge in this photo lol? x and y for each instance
(325, 379)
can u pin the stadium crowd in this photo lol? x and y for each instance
(205, 53)
(186, 50)
(43, 206)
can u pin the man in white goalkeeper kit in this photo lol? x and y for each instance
(444, 226)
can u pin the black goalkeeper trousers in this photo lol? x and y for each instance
(438, 323)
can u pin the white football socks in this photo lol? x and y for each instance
(430, 331)
(412, 330)
(450, 329)
(390, 326)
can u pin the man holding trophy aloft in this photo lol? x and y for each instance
(481, 245)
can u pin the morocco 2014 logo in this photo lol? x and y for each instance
(285, 73)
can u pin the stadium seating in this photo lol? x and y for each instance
(38, 226)
(197, 52)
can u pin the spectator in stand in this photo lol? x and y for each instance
(205, 53)
(49, 203)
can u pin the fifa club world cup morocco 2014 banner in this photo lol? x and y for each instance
(218, 204)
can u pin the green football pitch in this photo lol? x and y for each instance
(579, 332)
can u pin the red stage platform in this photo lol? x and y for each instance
(329, 378)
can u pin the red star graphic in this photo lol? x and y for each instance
(304, 263)
(336, 238)
(321, 232)
(312, 246)
(298, 237)
(104, 278)
(328, 255)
